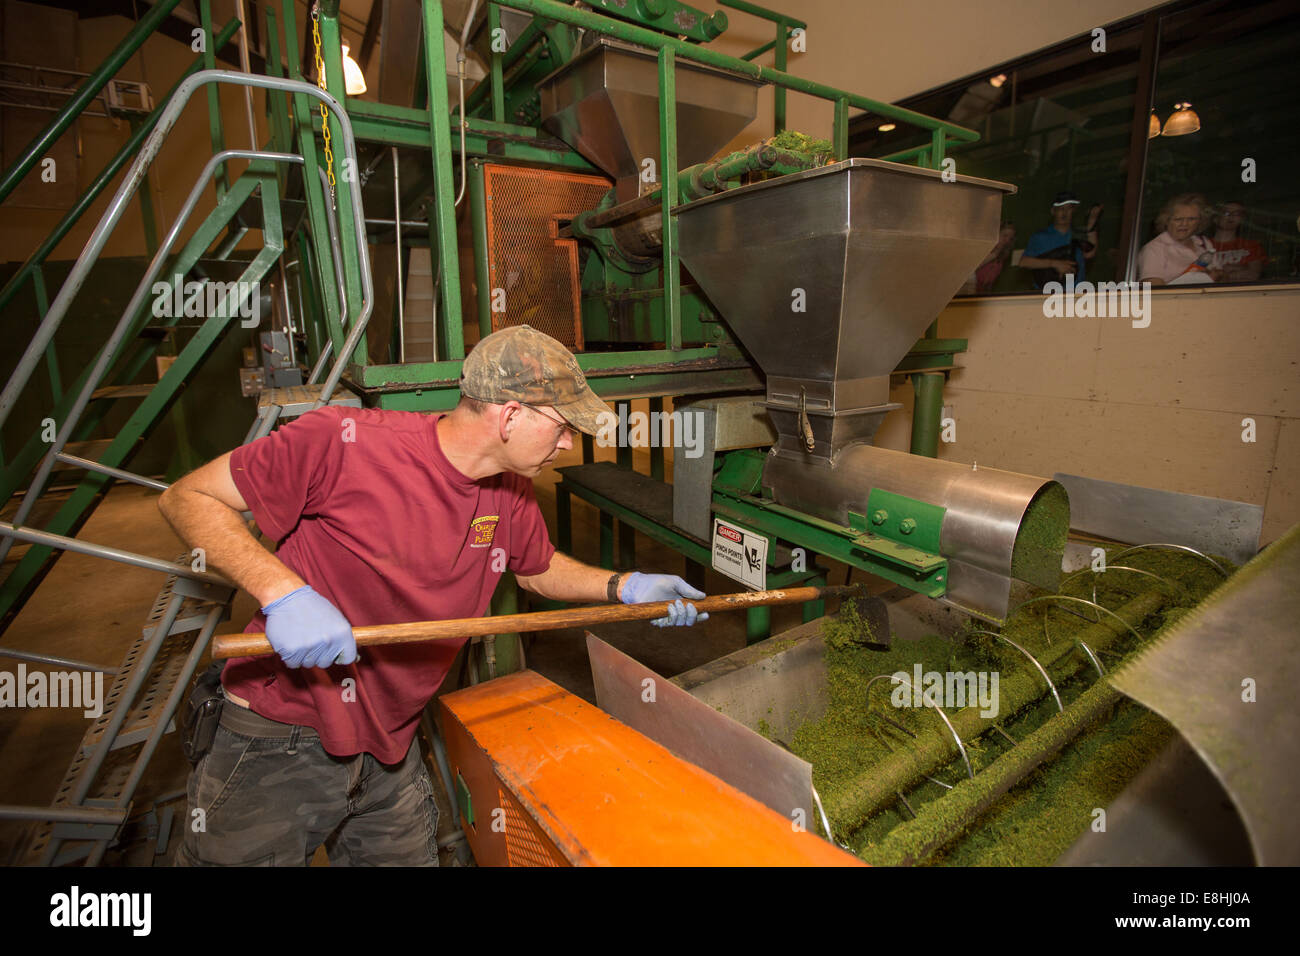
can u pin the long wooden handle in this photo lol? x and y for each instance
(254, 644)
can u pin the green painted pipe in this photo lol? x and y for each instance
(478, 223)
(128, 150)
(87, 92)
(927, 413)
(763, 13)
(698, 181)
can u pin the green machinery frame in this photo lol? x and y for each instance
(325, 242)
(672, 370)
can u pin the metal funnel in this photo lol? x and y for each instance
(828, 278)
(605, 104)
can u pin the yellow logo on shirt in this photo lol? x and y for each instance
(482, 529)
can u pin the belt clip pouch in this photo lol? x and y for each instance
(202, 714)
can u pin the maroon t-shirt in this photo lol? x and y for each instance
(368, 511)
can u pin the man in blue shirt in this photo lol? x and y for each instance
(1054, 252)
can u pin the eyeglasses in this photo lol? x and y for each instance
(565, 426)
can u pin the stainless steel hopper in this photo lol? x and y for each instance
(828, 278)
(605, 104)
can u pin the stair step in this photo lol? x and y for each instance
(124, 391)
(295, 400)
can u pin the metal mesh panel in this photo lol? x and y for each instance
(524, 847)
(536, 270)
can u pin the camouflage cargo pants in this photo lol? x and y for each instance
(269, 795)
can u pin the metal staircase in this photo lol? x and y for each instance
(95, 797)
(302, 191)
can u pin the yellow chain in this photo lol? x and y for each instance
(324, 113)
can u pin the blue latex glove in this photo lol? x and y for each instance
(306, 630)
(646, 588)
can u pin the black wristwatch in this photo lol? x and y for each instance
(611, 588)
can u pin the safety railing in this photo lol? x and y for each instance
(427, 125)
(84, 96)
(58, 309)
(31, 268)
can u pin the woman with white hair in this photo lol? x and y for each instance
(1178, 256)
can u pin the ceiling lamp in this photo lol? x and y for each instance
(1153, 130)
(354, 81)
(1183, 121)
(997, 81)
(886, 127)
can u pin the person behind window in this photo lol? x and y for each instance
(987, 272)
(1242, 260)
(996, 260)
(1055, 252)
(1178, 256)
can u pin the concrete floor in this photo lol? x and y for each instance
(91, 609)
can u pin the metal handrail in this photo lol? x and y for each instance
(95, 245)
(106, 175)
(108, 353)
(135, 176)
(85, 94)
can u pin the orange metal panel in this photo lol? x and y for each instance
(574, 785)
(537, 270)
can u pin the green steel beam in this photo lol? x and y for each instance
(497, 84)
(85, 94)
(317, 202)
(668, 177)
(552, 10)
(927, 413)
(106, 175)
(442, 231)
(485, 139)
(596, 365)
(281, 133)
(20, 468)
(670, 16)
(75, 509)
(840, 129)
(216, 132)
(478, 225)
(51, 356)
(936, 346)
(763, 13)
(875, 556)
(332, 54)
(444, 395)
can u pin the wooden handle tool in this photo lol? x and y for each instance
(254, 644)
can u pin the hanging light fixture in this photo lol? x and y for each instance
(353, 79)
(1183, 121)
(886, 127)
(1154, 129)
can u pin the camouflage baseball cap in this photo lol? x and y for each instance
(523, 365)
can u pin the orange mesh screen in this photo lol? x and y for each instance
(537, 271)
(524, 845)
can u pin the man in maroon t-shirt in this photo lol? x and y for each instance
(381, 517)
